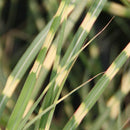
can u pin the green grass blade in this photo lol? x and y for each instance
(98, 89)
(16, 115)
(18, 111)
(21, 67)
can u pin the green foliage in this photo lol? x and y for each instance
(35, 78)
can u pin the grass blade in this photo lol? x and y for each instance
(21, 67)
(72, 50)
(60, 100)
(18, 111)
(98, 89)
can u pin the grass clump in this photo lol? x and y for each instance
(39, 76)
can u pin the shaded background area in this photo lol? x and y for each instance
(22, 20)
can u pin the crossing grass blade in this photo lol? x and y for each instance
(98, 89)
(60, 100)
(47, 64)
(110, 73)
(24, 97)
(53, 79)
(51, 56)
(74, 47)
(39, 96)
(56, 63)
